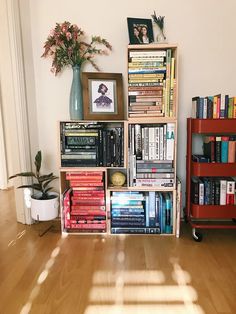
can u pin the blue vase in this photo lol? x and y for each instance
(76, 100)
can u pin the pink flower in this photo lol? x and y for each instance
(68, 36)
(52, 32)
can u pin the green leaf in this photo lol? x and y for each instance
(48, 189)
(23, 174)
(38, 161)
(45, 184)
(31, 186)
(45, 177)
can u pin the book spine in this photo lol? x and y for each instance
(223, 187)
(218, 149)
(224, 149)
(170, 141)
(230, 191)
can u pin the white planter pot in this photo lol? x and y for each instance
(44, 210)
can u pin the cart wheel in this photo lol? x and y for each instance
(234, 220)
(197, 236)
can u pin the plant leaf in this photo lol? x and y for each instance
(38, 161)
(45, 184)
(31, 186)
(48, 189)
(45, 177)
(23, 174)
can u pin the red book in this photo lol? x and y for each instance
(83, 184)
(83, 173)
(87, 188)
(89, 198)
(88, 193)
(66, 208)
(90, 212)
(85, 221)
(230, 190)
(87, 208)
(88, 203)
(88, 226)
(88, 217)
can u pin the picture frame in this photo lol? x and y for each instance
(140, 31)
(102, 96)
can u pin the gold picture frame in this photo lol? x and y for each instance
(103, 96)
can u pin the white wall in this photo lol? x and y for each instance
(204, 31)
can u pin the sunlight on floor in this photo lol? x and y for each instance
(18, 237)
(43, 276)
(142, 291)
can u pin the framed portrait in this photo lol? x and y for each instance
(140, 31)
(102, 96)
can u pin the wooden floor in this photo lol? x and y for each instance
(113, 274)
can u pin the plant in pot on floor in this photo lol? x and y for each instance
(44, 203)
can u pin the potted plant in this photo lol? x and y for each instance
(44, 203)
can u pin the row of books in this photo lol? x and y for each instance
(141, 212)
(91, 144)
(214, 107)
(84, 202)
(219, 149)
(213, 191)
(151, 83)
(151, 155)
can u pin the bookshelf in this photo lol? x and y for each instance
(147, 142)
(217, 209)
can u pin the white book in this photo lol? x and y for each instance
(201, 192)
(161, 143)
(152, 143)
(205, 108)
(223, 186)
(145, 144)
(157, 147)
(170, 141)
(164, 142)
(148, 53)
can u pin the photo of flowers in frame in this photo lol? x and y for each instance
(140, 31)
(102, 96)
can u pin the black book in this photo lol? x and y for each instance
(217, 192)
(195, 190)
(218, 149)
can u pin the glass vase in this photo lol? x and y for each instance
(76, 100)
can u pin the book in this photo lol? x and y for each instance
(170, 141)
(230, 192)
(224, 148)
(231, 149)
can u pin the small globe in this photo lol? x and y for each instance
(118, 178)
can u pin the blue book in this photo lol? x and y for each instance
(168, 213)
(147, 210)
(224, 148)
(152, 209)
(160, 211)
(163, 214)
(226, 105)
(201, 107)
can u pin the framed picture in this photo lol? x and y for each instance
(140, 31)
(102, 96)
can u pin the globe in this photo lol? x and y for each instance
(118, 178)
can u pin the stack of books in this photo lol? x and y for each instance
(220, 148)
(151, 87)
(213, 191)
(141, 212)
(84, 202)
(151, 155)
(91, 144)
(214, 107)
